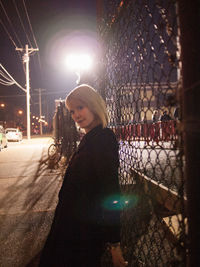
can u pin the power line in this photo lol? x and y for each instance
(10, 23)
(23, 27)
(19, 14)
(30, 24)
(17, 10)
(7, 80)
(39, 61)
(34, 39)
(7, 83)
(12, 79)
(10, 37)
(4, 76)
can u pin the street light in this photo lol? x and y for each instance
(79, 63)
(20, 112)
(2, 105)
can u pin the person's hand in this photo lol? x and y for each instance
(117, 257)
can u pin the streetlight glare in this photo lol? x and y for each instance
(78, 62)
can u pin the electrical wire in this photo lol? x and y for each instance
(22, 24)
(10, 23)
(12, 79)
(4, 76)
(30, 23)
(6, 83)
(39, 61)
(10, 37)
(7, 80)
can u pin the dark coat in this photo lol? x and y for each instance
(88, 207)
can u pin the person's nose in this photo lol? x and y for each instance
(76, 115)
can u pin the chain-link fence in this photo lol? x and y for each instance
(139, 77)
(141, 80)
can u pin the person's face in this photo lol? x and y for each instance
(82, 115)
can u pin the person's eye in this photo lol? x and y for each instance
(80, 107)
(71, 112)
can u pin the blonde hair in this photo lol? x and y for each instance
(92, 99)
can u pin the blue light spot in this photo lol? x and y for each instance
(112, 203)
(116, 202)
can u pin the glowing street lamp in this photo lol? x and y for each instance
(20, 112)
(2, 105)
(79, 63)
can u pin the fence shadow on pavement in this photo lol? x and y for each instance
(29, 206)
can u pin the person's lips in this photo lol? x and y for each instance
(80, 121)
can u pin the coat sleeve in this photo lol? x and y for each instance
(106, 163)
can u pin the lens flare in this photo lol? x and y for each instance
(119, 202)
(78, 62)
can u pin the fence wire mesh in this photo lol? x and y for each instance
(141, 82)
(139, 77)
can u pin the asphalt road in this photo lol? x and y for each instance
(28, 198)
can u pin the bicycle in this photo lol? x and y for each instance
(55, 151)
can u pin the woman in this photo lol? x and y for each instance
(87, 215)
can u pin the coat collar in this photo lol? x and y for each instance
(89, 136)
(85, 139)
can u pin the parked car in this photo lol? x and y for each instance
(3, 138)
(13, 134)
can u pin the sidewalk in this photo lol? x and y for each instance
(28, 199)
(44, 139)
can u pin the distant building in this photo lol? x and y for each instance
(132, 103)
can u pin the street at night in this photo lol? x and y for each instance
(107, 92)
(28, 198)
(51, 31)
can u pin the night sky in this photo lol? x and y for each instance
(59, 27)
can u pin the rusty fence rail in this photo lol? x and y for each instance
(158, 132)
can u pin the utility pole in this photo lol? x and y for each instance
(28, 51)
(40, 108)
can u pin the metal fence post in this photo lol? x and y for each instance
(189, 13)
